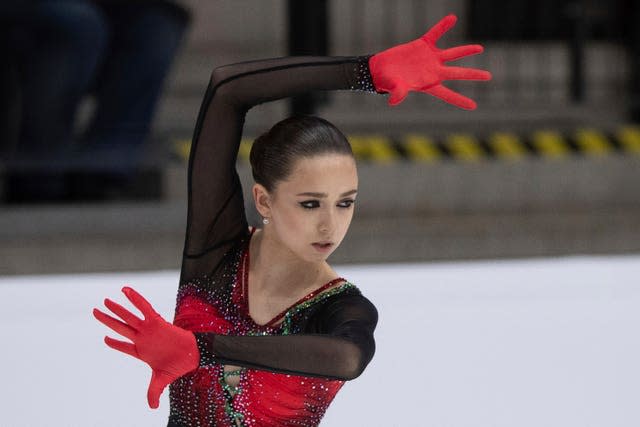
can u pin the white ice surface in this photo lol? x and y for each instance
(484, 344)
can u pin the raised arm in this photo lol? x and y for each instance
(216, 217)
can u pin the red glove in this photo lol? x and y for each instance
(169, 350)
(419, 66)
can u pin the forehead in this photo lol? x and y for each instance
(326, 173)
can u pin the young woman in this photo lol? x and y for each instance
(265, 332)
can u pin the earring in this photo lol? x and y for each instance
(265, 221)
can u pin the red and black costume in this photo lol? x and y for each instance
(295, 364)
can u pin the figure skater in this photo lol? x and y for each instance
(265, 332)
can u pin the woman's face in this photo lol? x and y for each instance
(314, 205)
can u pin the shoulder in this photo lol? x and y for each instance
(350, 303)
(345, 308)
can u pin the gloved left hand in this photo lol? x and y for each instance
(420, 66)
(170, 351)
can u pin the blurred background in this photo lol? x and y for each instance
(98, 101)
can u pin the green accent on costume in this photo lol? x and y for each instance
(232, 391)
(286, 323)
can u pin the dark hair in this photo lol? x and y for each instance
(274, 153)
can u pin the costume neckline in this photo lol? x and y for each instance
(245, 262)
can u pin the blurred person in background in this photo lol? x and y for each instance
(265, 331)
(116, 51)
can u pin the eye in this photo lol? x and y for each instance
(310, 204)
(347, 203)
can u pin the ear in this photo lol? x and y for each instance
(262, 199)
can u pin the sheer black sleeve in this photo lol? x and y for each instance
(337, 343)
(215, 212)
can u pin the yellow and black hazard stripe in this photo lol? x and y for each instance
(465, 147)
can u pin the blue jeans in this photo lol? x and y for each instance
(60, 48)
(144, 39)
(117, 51)
(120, 52)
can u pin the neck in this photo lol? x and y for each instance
(277, 271)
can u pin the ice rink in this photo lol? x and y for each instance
(528, 343)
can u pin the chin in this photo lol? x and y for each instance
(312, 258)
(322, 255)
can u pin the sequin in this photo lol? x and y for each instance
(363, 80)
(204, 397)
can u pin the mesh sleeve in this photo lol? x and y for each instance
(215, 212)
(337, 343)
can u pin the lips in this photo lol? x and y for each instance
(322, 246)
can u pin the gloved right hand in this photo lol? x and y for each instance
(170, 351)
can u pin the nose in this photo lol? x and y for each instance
(327, 222)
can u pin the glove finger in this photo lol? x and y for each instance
(451, 97)
(460, 52)
(464, 73)
(138, 300)
(439, 29)
(156, 387)
(398, 94)
(125, 347)
(113, 323)
(123, 313)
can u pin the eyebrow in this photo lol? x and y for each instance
(325, 194)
